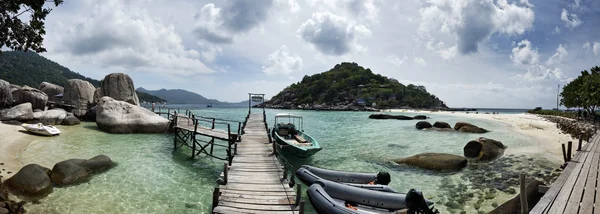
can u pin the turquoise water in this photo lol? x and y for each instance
(152, 178)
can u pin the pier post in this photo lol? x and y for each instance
(285, 171)
(292, 179)
(301, 208)
(570, 145)
(564, 152)
(580, 141)
(215, 201)
(229, 153)
(168, 113)
(523, 193)
(194, 137)
(225, 172)
(298, 195)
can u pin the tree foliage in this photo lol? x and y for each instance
(348, 82)
(17, 34)
(583, 91)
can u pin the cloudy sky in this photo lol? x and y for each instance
(470, 53)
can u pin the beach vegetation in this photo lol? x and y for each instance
(583, 92)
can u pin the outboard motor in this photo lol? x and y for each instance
(415, 202)
(383, 178)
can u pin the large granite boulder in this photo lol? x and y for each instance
(69, 172)
(469, 128)
(484, 149)
(70, 120)
(441, 125)
(53, 116)
(423, 125)
(26, 94)
(97, 95)
(21, 112)
(79, 93)
(435, 161)
(119, 86)
(116, 116)
(31, 180)
(6, 98)
(98, 163)
(51, 89)
(13, 89)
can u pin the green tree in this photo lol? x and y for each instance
(583, 91)
(18, 35)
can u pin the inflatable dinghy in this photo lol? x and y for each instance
(350, 177)
(309, 178)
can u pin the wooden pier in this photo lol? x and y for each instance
(576, 190)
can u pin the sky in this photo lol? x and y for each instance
(484, 53)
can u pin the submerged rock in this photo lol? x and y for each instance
(31, 180)
(21, 112)
(484, 149)
(68, 172)
(119, 86)
(115, 116)
(98, 163)
(423, 125)
(387, 116)
(420, 117)
(441, 125)
(435, 161)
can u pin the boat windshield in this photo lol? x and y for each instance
(289, 119)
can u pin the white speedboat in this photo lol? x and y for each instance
(41, 129)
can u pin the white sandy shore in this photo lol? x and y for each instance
(12, 141)
(547, 136)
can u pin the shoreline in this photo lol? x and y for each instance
(13, 142)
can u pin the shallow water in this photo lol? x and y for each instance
(152, 178)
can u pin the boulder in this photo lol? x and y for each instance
(90, 115)
(441, 125)
(435, 161)
(68, 172)
(119, 86)
(37, 115)
(115, 116)
(21, 112)
(51, 89)
(420, 117)
(469, 128)
(31, 180)
(484, 149)
(53, 116)
(6, 98)
(13, 90)
(423, 125)
(98, 163)
(387, 116)
(26, 94)
(79, 93)
(97, 95)
(70, 120)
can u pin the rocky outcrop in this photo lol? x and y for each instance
(26, 94)
(423, 125)
(51, 89)
(420, 117)
(13, 89)
(484, 149)
(79, 93)
(31, 180)
(69, 172)
(115, 116)
(387, 116)
(441, 125)
(469, 128)
(21, 112)
(577, 129)
(53, 116)
(6, 98)
(97, 164)
(435, 161)
(97, 95)
(119, 86)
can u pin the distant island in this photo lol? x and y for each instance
(348, 86)
(180, 96)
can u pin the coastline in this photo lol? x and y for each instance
(11, 144)
(547, 136)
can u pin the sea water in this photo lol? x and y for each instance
(151, 177)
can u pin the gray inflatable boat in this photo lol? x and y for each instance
(310, 175)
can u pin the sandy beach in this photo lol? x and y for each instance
(12, 143)
(547, 136)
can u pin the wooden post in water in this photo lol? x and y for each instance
(194, 137)
(168, 113)
(564, 152)
(215, 201)
(523, 193)
(285, 171)
(301, 208)
(570, 145)
(213, 123)
(229, 153)
(580, 141)
(298, 195)
(225, 172)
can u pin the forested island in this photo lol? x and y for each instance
(349, 86)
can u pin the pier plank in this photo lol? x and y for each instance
(577, 193)
(590, 186)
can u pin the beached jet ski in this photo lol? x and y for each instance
(41, 129)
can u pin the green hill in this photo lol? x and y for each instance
(348, 84)
(29, 68)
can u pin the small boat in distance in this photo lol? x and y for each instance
(41, 129)
(289, 133)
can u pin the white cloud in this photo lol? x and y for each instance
(596, 49)
(395, 60)
(359, 9)
(420, 61)
(524, 53)
(587, 46)
(282, 62)
(526, 3)
(468, 23)
(119, 35)
(332, 34)
(556, 30)
(559, 56)
(538, 73)
(570, 20)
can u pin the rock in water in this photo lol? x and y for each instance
(98, 163)
(435, 161)
(21, 112)
(53, 116)
(79, 93)
(70, 120)
(469, 128)
(6, 98)
(68, 172)
(442, 125)
(484, 149)
(423, 125)
(31, 180)
(115, 116)
(119, 86)
(26, 94)
(387, 116)
(420, 117)
(51, 89)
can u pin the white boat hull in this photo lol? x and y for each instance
(40, 129)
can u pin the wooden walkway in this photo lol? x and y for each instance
(576, 189)
(255, 182)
